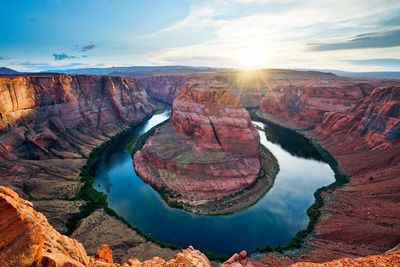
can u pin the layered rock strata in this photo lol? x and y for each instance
(359, 125)
(208, 150)
(163, 88)
(49, 125)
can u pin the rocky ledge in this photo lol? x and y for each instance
(27, 239)
(209, 150)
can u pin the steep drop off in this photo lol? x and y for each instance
(359, 125)
(49, 125)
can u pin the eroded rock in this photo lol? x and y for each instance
(208, 150)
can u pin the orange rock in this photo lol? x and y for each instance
(104, 253)
(376, 260)
(26, 238)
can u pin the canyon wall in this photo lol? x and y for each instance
(359, 124)
(208, 150)
(163, 88)
(49, 126)
(41, 115)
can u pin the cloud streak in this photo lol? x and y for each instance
(89, 46)
(384, 62)
(369, 40)
(62, 56)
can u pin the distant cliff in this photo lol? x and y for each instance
(163, 88)
(40, 116)
(365, 110)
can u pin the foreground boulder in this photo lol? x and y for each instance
(26, 238)
(208, 150)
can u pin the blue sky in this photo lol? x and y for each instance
(355, 35)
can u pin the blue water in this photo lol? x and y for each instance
(273, 220)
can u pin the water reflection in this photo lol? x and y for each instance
(273, 220)
(292, 142)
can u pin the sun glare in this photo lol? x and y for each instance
(251, 59)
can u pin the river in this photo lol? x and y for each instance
(273, 220)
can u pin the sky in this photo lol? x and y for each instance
(352, 35)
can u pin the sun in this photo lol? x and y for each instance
(251, 58)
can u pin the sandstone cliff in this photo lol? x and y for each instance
(163, 88)
(359, 219)
(49, 125)
(359, 124)
(41, 114)
(208, 150)
(27, 239)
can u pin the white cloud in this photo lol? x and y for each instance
(280, 38)
(200, 16)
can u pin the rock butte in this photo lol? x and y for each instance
(208, 150)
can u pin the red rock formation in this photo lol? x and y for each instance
(163, 87)
(48, 126)
(239, 260)
(376, 260)
(36, 110)
(387, 259)
(187, 258)
(376, 119)
(27, 239)
(305, 106)
(359, 219)
(208, 150)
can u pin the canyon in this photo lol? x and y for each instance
(51, 123)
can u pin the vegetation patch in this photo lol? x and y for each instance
(94, 199)
(131, 144)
